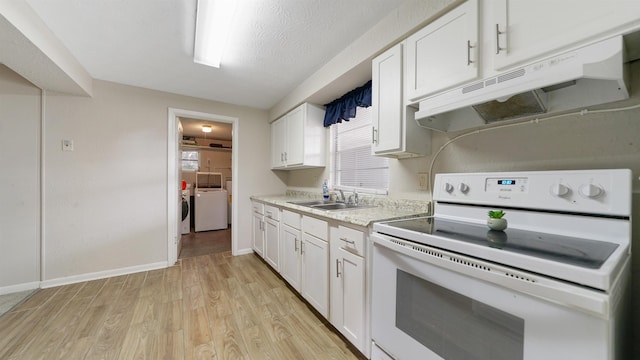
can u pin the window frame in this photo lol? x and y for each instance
(333, 160)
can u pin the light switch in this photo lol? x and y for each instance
(67, 145)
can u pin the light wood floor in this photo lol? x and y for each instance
(208, 307)
(205, 243)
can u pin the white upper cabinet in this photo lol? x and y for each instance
(278, 142)
(394, 130)
(386, 96)
(518, 31)
(298, 139)
(444, 53)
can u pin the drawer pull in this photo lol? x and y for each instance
(348, 241)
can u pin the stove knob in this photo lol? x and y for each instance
(590, 190)
(464, 188)
(448, 188)
(559, 190)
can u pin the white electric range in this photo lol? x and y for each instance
(553, 285)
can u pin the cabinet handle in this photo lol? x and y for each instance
(469, 47)
(285, 156)
(296, 245)
(337, 268)
(498, 33)
(281, 157)
(352, 242)
(301, 247)
(373, 135)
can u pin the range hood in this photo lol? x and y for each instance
(587, 76)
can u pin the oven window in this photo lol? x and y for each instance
(455, 326)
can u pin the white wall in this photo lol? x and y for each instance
(105, 203)
(19, 183)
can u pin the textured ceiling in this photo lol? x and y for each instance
(274, 46)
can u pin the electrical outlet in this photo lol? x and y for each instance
(423, 183)
(67, 145)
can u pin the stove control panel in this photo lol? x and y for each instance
(586, 191)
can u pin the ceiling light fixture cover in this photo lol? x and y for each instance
(206, 128)
(213, 24)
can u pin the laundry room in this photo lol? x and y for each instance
(205, 159)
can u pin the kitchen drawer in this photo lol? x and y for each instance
(258, 207)
(291, 218)
(351, 240)
(316, 227)
(272, 212)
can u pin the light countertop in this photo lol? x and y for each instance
(375, 210)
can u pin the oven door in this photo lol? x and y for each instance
(424, 308)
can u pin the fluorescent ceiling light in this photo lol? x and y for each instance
(206, 128)
(213, 23)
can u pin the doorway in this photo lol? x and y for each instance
(174, 155)
(206, 150)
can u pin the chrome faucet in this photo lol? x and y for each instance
(342, 195)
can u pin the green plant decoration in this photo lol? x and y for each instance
(496, 214)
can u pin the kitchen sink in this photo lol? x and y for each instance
(311, 202)
(328, 205)
(335, 206)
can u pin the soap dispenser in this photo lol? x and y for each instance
(325, 191)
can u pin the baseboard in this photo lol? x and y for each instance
(243, 252)
(19, 287)
(102, 274)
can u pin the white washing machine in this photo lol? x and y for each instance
(210, 209)
(186, 212)
(210, 202)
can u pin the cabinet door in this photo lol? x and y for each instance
(278, 139)
(294, 154)
(315, 272)
(386, 88)
(352, 275)
(290, 241)
(272, 243)
(444, 53)
(257, 234)
(525, 30)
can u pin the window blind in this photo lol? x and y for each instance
(353, 166)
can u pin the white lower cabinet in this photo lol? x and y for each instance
(326, 263)
(315, 282)
(257, 228)
(272, 243)
(348, 286)
(315, 263)
(304, 258)
(272, 236)
(290, 239)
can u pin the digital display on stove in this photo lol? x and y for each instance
(506, 185)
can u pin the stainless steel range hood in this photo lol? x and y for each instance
(587, 76)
